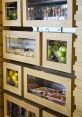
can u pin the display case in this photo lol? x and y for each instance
(49, 90)
(57, 51)
(12, 78)
(11, 12)
(19, 108)
(50, 13)
(22, 46)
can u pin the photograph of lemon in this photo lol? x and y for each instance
(12, 77)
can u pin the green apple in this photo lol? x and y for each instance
(64, 49)
(63, 54)
(59, 53)
(60, 49)
(16, 74)
(63, 59)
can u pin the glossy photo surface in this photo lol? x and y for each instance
(11, 10)
(47, 89)
(47, 10)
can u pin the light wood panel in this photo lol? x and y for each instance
(77, 114)
(46, 114)
(78, 83)
(78, 99)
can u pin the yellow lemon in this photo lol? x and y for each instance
(10, 72)
(16, 74)
(14, 78)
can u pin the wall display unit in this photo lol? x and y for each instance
(12, 78)
(57, 51)
(37, 13)
(14, 107)
(22, 46)
(47, 89)
(11, 12)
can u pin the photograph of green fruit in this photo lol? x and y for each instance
(12, 77)
(11, 10)
(57, 51)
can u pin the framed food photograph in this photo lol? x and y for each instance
(22, 46)
(14, 106)
(11, 12)
(12, 78)
(49, 90)
(57, 51)
(42, 13)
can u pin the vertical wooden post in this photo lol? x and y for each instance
(78, 64)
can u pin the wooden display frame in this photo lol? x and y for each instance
(21, 103)
(12, 22)
(46, 114)
(50, 23)
(27, 35)
(6, 86)
(55, 65)
(54, 106)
